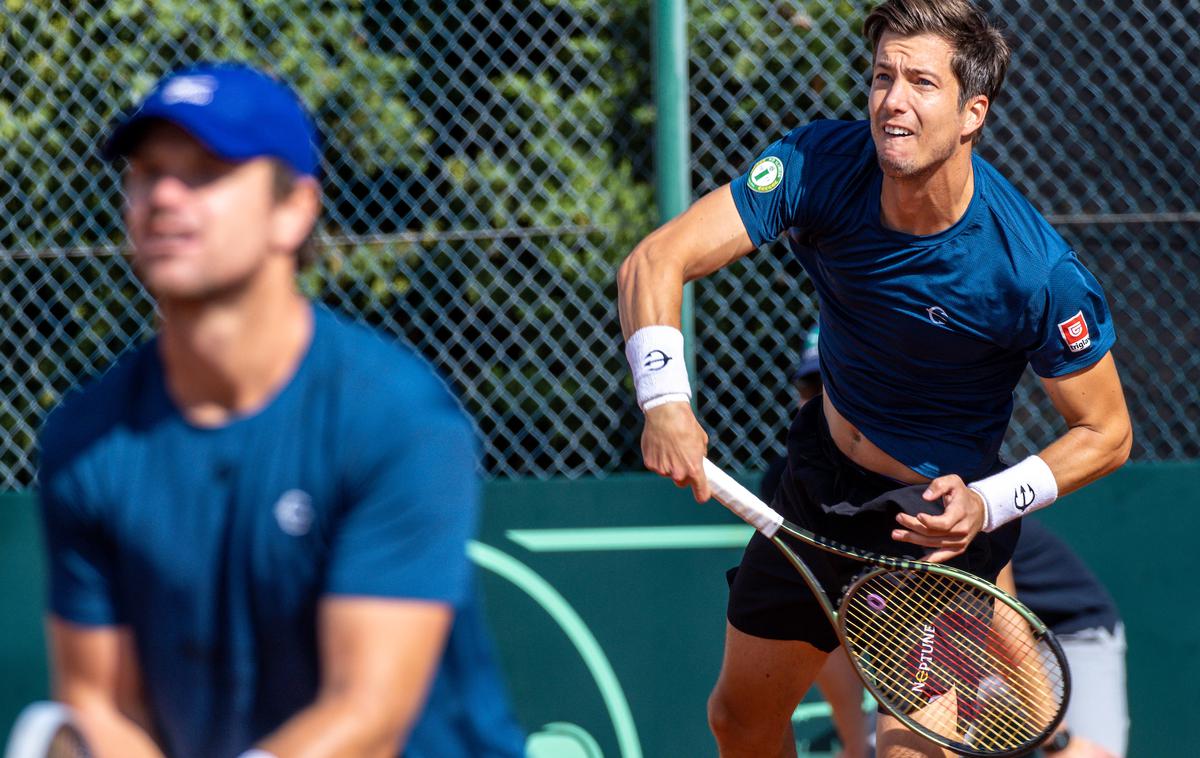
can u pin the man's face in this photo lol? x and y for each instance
(200, 225)
(915, 119)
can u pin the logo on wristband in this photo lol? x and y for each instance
(656, 360)
(1023, 497)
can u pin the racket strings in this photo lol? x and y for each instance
(936, 672)
(897, 656)
(969, 677)
(952, 622)
(969, 673)
(965, 707)
(920, 636)
(964, 663)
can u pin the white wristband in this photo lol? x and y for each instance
(655, 353)
(664, 399)
(1016, 491)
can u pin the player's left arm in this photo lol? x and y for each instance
(1099, 435)
(378, 657)
(1098, 440)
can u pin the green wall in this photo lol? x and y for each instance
(607, 600)
(22, 646)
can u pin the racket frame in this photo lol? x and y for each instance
(36, 727)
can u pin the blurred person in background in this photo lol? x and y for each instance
(257, 521)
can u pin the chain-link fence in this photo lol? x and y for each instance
(487, 165)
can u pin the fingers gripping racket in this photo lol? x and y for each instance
(46, 730)
(952, 656)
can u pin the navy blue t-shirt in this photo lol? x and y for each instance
(215, 544)
(924, 338)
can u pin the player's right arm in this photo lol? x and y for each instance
(378, 659)
(93, 661)
(95, 672)
(706, 237)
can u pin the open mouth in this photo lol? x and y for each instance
(168, 238)
(897, 131)
(164, 244)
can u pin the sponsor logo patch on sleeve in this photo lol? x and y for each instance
(766, 174)
(1074, 332)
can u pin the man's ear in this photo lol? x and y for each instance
(975, 112)
(296, 214)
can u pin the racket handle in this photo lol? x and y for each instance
(741, 501)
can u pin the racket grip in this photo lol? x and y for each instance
(741, 501)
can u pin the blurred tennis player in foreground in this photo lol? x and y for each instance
(938, 284)
(257, 521)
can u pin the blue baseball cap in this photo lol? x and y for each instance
(236, 111)
(810, 359)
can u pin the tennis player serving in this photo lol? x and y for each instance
(257, 521)
(938, 285)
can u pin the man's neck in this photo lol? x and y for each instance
(929, 203)
(228, 358)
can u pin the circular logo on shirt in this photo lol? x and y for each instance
(294, 513)
(766, 174)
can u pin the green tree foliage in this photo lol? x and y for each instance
(449, 135)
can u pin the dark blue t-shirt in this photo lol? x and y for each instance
(215, 544)
(924, 338)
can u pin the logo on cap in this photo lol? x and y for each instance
(194, 90)
(1074, 332)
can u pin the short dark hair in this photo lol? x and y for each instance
(981, 54)
(283, 183)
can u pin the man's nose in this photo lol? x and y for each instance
(896, 99)
(167, 189)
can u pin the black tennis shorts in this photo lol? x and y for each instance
(824, 491)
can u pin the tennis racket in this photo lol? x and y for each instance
(953, 657)
(46, 730)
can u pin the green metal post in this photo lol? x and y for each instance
(672, 136)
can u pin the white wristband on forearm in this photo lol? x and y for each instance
(1016, 491)
(655, 353)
